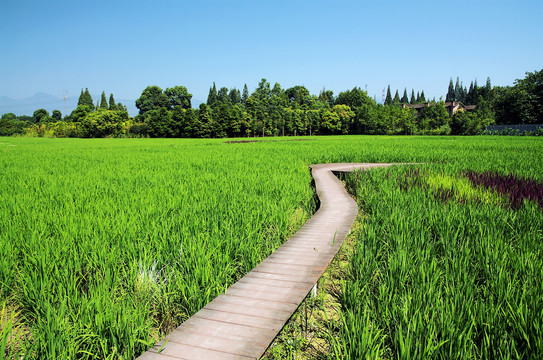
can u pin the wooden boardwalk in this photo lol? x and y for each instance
(242, 322)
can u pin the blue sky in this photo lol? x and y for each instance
(123, 46)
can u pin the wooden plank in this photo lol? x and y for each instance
(233, 346)
(253, 307)
(223, 330)
(184, 351)
(240, 319)
(241, 323)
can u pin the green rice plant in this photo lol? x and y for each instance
(107, 244)
(442, 279)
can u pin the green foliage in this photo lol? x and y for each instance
(212, 96)
(422, 98)
(298, 96)
(451, 95)
(434, 120)
(521, 103)
(469, 122)
(152, 98)
(41, 116)
(396, 100)
(101, 123)
(103, 101)
(160, 123)
(10, 125)
(80, 112)
(353, 98)
(86, 99)
(107, 244)
(178, 96)
(56, 116)
(439, 279)
(112, 104)
(388, 99)
(404, 99)
(245, 95)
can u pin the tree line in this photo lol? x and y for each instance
(273, 111)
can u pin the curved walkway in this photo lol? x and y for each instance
(242, 322)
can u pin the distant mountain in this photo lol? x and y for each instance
(41, 100)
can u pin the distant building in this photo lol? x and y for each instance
(451, 106)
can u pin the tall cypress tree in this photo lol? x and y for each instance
(103, 101)
(388, 99)
(112, 103)
(418, 98)
(487, 93)
(450, 92)
(405, 99)
(413, 100)
(212, 96)
(86, 99)
(457, 90)
(81, 99)
(245, 95)
(422, 97)
(469, 96)
(396, 99)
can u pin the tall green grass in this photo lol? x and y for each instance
(107, 243)
(442, 277)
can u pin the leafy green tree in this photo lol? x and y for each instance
(263, 92)
(327, 97)
(79, 113)
(41, 116)
(434, 120)
(204, 125)
(331, 123)
(103, 101)
(160, 123)
(298, 96)
(222, 96)
(521, 103)
(353, 98)
(112, 103)
(346, 117)
(471, 122)
(183, 121)
(235, 96)
(413, 100)
(278, 96)
(404, 99)
(101, 123)
(388, 99)
(178, 96)
(152, 98)
(236, 125)
(10, 125)
(56, 116)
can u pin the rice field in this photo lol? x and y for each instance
(107, 243)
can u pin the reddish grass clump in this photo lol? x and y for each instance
(514, 188)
